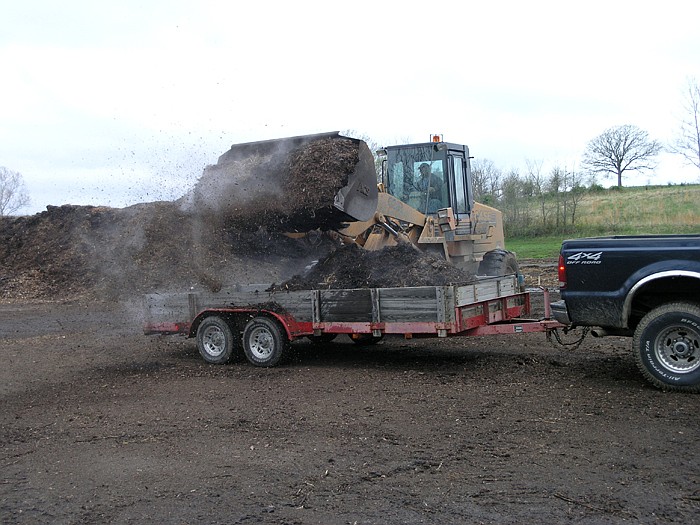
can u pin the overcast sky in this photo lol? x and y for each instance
(114, 103)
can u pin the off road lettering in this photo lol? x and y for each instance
(690, 322)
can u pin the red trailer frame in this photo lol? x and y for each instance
(502, 315)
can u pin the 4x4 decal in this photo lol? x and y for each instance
(585, 258)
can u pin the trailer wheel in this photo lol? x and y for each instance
(264, 342)
(215, 340)
(499, 263)
(667, 346)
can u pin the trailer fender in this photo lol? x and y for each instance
(237, 318)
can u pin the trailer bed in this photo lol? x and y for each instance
(411, 311)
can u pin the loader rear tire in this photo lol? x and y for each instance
(499, 263)
(215, 340)
(264, 342)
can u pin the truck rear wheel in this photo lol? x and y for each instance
(499, 263)
(264, 342)
(667, 346)
(215, 340)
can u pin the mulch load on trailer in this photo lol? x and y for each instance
(353, 267)
(436, 310)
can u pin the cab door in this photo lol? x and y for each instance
(460, 187)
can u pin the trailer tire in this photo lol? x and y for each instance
(499, 263)
(264, 342)
(215, 340)
(667, 346)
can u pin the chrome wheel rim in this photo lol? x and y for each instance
(262, 343)
(214, 341)
(678, 349)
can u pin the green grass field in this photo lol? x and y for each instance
(535, 247)
(628, 211)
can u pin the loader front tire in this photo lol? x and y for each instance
(215, 340)
(499, 263)
(264, 342)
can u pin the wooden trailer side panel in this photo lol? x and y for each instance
(430, 307)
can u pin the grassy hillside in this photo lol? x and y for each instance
(665, 209)
(638, 210)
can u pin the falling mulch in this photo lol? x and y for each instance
(284, 188)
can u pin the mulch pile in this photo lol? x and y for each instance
(111, 253)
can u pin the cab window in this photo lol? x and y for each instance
(460, 186)
(416, 176)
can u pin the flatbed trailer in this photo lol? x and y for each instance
(264, 321)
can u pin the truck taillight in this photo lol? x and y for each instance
(562, 272)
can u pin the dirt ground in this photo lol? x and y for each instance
(101, 424)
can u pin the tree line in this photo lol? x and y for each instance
(535, 202)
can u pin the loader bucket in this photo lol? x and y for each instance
(328, 178)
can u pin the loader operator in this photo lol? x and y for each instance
(432, 185)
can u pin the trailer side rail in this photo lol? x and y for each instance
(416, 312)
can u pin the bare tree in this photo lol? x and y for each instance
(486, 179)
(537, 180)
(512, 203)
(13, 194)
(556, 186)
(687, 143)
(576, 192)
(620, 149)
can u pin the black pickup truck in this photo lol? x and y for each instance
(646, 287)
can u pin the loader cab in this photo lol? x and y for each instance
(429, 176)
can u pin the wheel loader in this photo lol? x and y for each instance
(424, 196)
